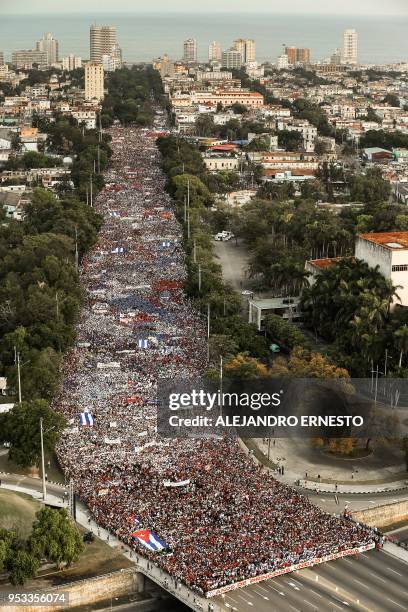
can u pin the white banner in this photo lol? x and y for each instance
(180, 483)
(287, 570)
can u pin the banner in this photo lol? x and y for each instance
(180, 483)
(287, 570)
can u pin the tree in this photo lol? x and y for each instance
(22, 566)
(22, 431)
(392, 100)
(290, 140)
(244, 367)
(401, 336)
(303, 364)
(205, 125)
(55, 537)
(370, 187)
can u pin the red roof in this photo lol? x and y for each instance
(389, 240)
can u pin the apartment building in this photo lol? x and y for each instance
(94, 81)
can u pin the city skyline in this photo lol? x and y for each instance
(346, 7)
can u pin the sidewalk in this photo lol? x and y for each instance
(293, 477)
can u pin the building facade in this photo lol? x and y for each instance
(190, 51)
(71, 62)
(297, 55)
(102, 41)
(231, 58)
(246, 48)
(49, 45)
(27, 58)
(350, 47)
(214, 52)
(94, 81)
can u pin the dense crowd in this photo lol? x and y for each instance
(228, 521)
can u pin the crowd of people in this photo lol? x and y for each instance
(221, 518)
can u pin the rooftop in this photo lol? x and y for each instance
(324, 263)
(388, 240)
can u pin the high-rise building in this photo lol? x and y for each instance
(246, 47)
(1, 58)
(71, 62)
(283, 62)
(190, 51)
(297, 55)
(350, 47)
(102, 41)
(49, 45)
(214, 52)
(231, 58)
(335, 57)
(94, 81)
(27, 58)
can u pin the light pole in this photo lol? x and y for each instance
(44, 486)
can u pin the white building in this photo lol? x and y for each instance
(283, 62)
(388, 251)
(190, 51)
(94, 81)
(350, 47)
(71, 62)
(231, 58)
(215, 164)
(214, 52)
(49, 45)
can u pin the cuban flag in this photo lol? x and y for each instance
(118, 250)
(86, 419)
(166, 244)
(150, 540)
(114, 214)
(143, 344)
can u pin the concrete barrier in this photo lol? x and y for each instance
(382, 516)
(89, 591)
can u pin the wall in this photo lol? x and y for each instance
(381, 516)
(85, 592)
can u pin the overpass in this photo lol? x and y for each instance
(370, 581)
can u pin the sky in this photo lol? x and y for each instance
(335, 7)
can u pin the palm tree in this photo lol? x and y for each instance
(402, 341)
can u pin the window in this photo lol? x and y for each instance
(402, 268)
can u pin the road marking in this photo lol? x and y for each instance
(362, 583)
(392, 570)
(397, 604)
(280, 592)
(293, 585)
(243, 599)
(309, 604)
(318, 594)
(372, 502)
(334, 604)
(264, 596)
(296, 610)
(262, 589)
(377, 577)
(345, 603)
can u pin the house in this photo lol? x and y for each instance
(287, 308)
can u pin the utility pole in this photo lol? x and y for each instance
(44, 486)
(188, 224)
(185, 209)
(199, 278)
(195, 252)
(99, 160)
(17, 361)
(208, 330)
(76, 249)
(91, 191)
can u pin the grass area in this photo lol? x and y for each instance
(53, 471)
(17, 511)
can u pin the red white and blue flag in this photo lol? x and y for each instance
(150, 540)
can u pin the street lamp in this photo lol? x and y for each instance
(44, 486)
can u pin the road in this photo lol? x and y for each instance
(234, 262)
(373, 581)
(354, 501)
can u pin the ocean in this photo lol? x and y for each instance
(146, 36)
